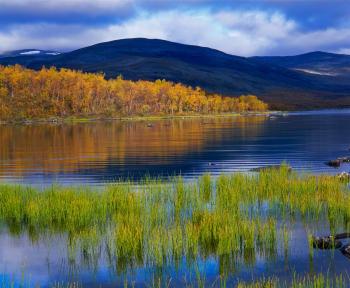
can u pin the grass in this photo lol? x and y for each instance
(235, 218)
(298, 281)
(308, 281)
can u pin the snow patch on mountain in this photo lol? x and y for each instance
(34, 52)
(316, 72)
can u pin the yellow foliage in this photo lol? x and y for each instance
(25, 93)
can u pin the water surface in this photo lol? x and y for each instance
(100, 152)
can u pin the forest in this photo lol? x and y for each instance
(52, 92)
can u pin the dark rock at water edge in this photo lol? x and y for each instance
(344, 176)
(344, 159)
(328, 242)
(345, 250)
(337, 162)
(334, 163)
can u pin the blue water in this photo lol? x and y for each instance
(46, 262)
(100, 152)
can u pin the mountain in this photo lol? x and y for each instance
(319, 63)
(26, 56)
(281, 86)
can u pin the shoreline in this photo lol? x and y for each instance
(92, 119)
(74, 119)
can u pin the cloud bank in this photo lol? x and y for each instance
(270, 28)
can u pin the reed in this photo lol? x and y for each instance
(234, 218)
(298, 281)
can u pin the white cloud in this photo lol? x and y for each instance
(343, 51)
(237, 32)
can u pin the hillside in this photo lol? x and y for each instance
(282, 86)
(319, 63)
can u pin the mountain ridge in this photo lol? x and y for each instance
(323, 63)
(275, 80)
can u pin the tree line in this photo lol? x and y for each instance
(27, 94)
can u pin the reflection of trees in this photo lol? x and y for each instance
(67, 148)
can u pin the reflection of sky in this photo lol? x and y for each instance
(46, 262)
(19, 256)
(305, 140)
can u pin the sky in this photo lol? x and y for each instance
(240, 27)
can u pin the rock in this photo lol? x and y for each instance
(345, 250)
(342, 235)
(28, 122)
(346, 160)
(337, 162)
(334, 163)
(328, 242)
(344, 176)
(53, 120)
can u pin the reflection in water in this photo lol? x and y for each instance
(110, 150)
(105, 151)
(238, 227)
(97, 152)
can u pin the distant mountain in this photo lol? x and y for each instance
(283, 86)
(26, 56)
(319, 63)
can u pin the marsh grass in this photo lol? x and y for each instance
(298, 281)
(234, 218)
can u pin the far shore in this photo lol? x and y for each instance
(84, 119)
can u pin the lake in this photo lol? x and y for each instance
(97, 153)
(101, 152)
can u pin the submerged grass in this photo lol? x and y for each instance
(234, 217)
(298, 281)
(308, 281)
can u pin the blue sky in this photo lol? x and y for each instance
(241, 27)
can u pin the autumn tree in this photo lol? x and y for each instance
(25, 93)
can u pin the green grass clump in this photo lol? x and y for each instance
(155, 224)
(308, 281)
